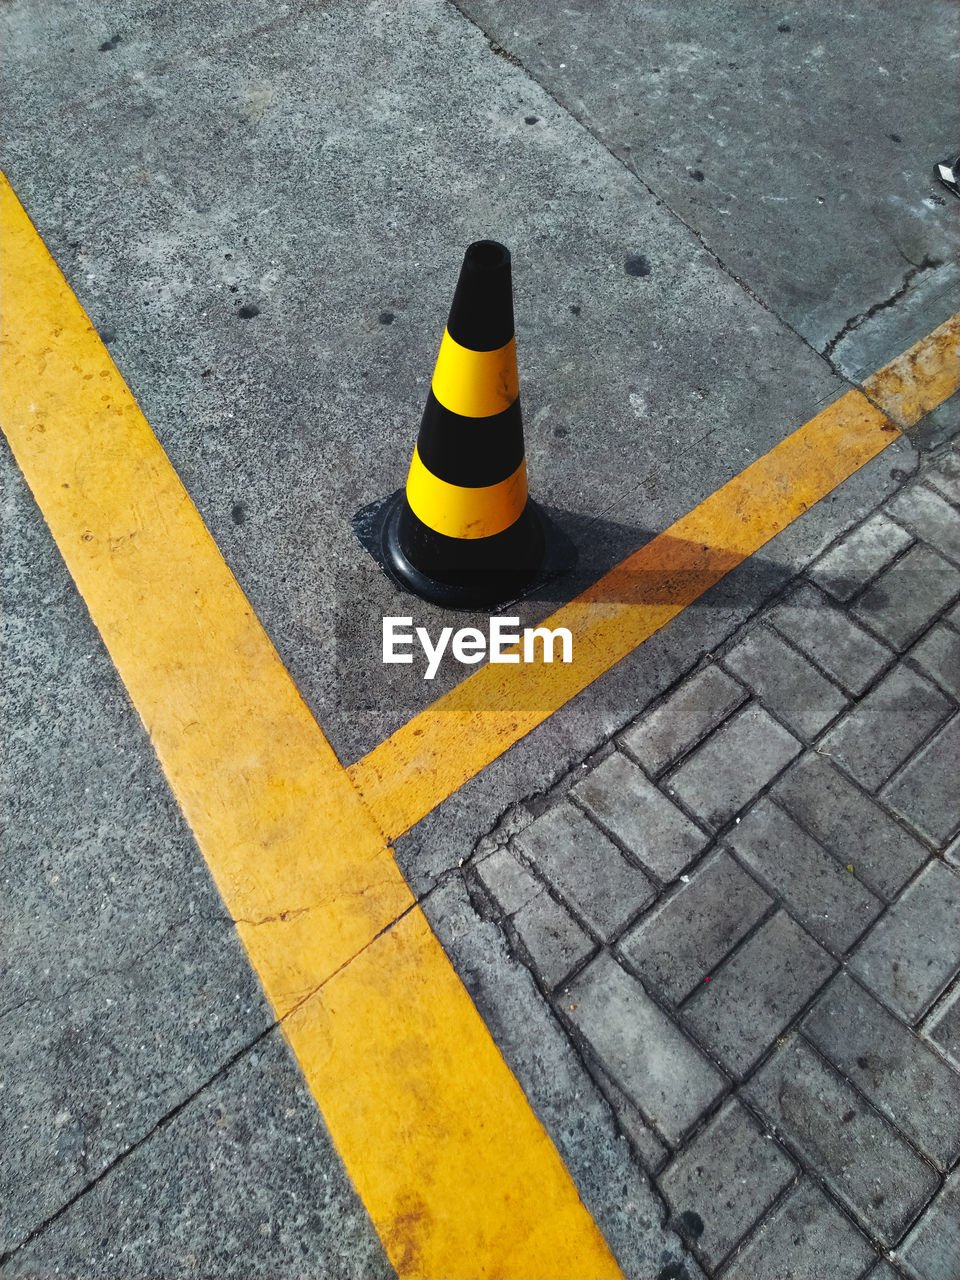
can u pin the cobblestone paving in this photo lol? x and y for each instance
(745, 910)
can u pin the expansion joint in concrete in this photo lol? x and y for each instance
(118, 1160)
(629, 164)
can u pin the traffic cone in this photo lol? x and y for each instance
(464, 533)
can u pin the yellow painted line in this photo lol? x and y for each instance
(436, 752)
(464, 512)
(457, 1173)
(920, 379)
(442, 1088)
(255, 777)
(475, 384)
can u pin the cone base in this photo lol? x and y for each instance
(371, 527)
(465, 588)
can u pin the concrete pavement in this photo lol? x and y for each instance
(262, 211)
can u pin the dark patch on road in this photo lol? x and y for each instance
(238, 513)
(110, 44)
(673, 1271)
(690, 1225)
(387, 317)
(784, 27)
(531, 119)
(894, 137)
(696, 175)
(248, 311)
(637, 265)
(108, 335)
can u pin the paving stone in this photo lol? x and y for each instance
(945, 477)
(736, 761)
(816, 889)
(586, 868)
(860, 1156)
(886, 727)
(786, 682)
(686, 935)
(618, 795)
(805, 1238)
(723, 1180)
(942, 1027)
(511, 885)
(938, 653)
(757, 992)
(882, 1271)
(859, 556)
(659, 1069)
(908, 595)
(555, 942)
(903, 1079)
(850, 825)
(952, 852)
(652, 1152)
(696, 707)
(929, 516)
(932, 1249)
(912, 952)
(846, 652)
(925, 792)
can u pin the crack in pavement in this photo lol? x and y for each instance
(854, 323)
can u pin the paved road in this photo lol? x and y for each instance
(720, 221)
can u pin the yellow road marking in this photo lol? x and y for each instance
(258, 782)
(475, 384)
(455, 1170)
(465, 512)
(436, 752)
(920, 379)
(427, 1103)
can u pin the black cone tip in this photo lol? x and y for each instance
(481, 317)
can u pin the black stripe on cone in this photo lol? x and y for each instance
(471, 453)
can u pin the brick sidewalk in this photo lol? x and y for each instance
(746, 913)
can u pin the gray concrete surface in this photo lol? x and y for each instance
(797, 142)
(241, 1181)
(262, 209)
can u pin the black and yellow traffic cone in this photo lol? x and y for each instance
(464, 532)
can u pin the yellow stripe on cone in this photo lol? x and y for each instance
(460, 512)
(475, 384)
